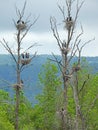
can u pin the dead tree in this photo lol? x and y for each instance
(21, 58)
(69, 48)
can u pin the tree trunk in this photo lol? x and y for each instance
(79, 121)
(18, 85)
(77, 108)
(65, 120)
(17, 109)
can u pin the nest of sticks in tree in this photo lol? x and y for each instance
(17, 85)
(65, 50)
(67, 77)
(25, 61)
(76, 68)
(21, 25)
(69, 23)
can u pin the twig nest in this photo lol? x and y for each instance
(68, 23)
(25, 61)
(65, 50)
(18, 85)
(21, 25)
(61, 113)
(68, 76)
(76, 68)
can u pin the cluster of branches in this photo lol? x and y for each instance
(22, 29)
(21, 59)
(67, 48)
(70, 47)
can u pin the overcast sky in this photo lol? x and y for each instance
(41, 32)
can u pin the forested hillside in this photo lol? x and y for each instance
(48, 93)
(30, 75)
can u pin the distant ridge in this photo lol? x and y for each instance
(30, 74)
(7, 59)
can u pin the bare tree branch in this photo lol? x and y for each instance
(55, 31)
(6, 46)
(62, 11)
(58, 62)
(91, 105)
(76, 16)
(83, 85)
(19, 13)
(25, 33)
(80, 49)
(30, 47)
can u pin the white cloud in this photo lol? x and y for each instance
(43, 36)
(46, 43)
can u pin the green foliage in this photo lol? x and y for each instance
(45, 111)
(5, 123)
(90, 103)
(25, 113)
(43, 115)
(88, 96)
(7, 112)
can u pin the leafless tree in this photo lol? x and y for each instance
(70, 46)
(21, 58)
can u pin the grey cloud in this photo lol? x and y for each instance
(44, 8)
(88, 16)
